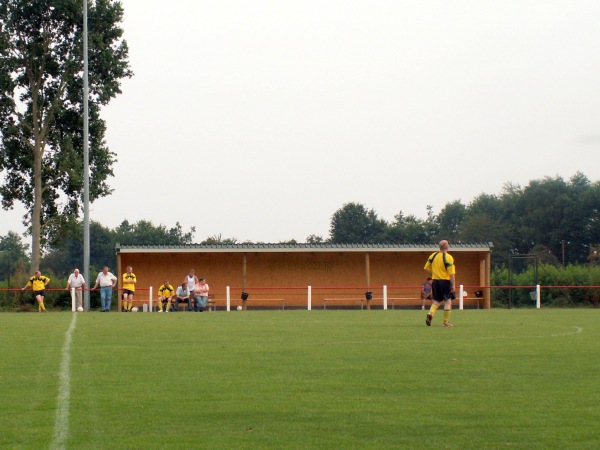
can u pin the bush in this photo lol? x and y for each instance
(549, 276)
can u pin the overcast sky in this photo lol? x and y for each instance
(257, 120)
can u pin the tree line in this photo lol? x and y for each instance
(557, 220)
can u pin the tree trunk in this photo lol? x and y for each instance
(36, 218)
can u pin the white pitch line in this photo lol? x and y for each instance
(577, 331)
(543, 336)
(61, 420)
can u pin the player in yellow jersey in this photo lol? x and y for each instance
(441, 267)
(166, 292)
(129, 281)
(38, 283)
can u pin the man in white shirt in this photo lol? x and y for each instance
(107, 281)
(183, 295)
(77, 281)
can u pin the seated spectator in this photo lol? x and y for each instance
(183, 295)
(200, 295)
(166, 293)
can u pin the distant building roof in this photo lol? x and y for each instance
(299, 248)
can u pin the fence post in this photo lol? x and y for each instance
(384, 297)
(460, 297)
(73, 299)
(310, 298)
(228, 299)
(150, 300)
(538, 296)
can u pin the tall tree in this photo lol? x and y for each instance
(407, 229)
(450, 218)
(41, 106)
(12, 253)
(355, 224)
(145, 232)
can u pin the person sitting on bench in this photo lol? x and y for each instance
(183, 295)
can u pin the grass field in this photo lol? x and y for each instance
(301, 379)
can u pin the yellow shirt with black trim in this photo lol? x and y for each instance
(38, 283)
(166, 291)
(441, 266)
(129, 280)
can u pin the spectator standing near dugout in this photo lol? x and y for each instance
(201, 294)
(107, 281)
(191, 280)
(166, 292)
(441, 266)
(77, 281)
(129, 281)
(426, 291)
(38, 283)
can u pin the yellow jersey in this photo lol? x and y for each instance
(166, 291)
(441, 266)
(129, 281)
(38, 283)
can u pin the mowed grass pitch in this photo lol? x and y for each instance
(304, 379)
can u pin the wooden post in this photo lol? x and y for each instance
(487, 296)
(368, 273)
(244, 263)
(119, 281)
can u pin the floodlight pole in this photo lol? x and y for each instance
(86, 164)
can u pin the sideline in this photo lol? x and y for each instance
(61, 420)
(578, 330)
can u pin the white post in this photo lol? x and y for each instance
(460, 297)
(384, 297)
(73, 308)
(310, 298)
(538, 297)
(228, 299)
(150, 300)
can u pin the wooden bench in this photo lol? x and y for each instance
(210, 303)
(405, 301)
(258, 300)
(347, 301)
(393, 301)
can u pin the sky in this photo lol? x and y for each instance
(258, 120)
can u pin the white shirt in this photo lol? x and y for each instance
(191, 281)
(181, 292)
(76, 281)
(105, 280)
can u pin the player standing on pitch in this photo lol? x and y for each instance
(129, 280)
(441, 267)
(38, 283)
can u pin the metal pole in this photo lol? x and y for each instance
(86, 164)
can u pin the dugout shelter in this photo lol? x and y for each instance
(278, 275)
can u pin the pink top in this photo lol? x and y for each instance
(201, 289)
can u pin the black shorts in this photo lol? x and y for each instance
(441, 290)
(40, 293)
(128, 292)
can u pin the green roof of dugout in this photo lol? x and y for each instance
(235, 248)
